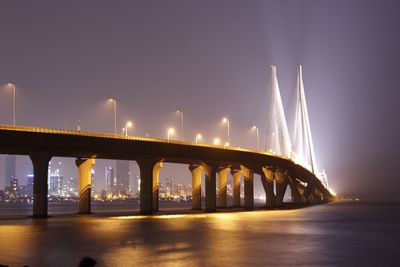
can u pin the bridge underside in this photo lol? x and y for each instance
(275, 182)
(214, 162)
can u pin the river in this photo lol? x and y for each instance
(335, 234)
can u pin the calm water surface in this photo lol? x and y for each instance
(337, 234)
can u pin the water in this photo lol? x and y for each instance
(336, 234)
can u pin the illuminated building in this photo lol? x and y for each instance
(168, 187)
(109, 176)
(14, 185)
(122, 176)
(70, 187)
(29, 184)
(10, 168)
(55, 181)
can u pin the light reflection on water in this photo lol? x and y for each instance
(334, 234)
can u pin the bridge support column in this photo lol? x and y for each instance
(267, 179)
(248, 188)
(222, 183)
(236, 187)
(196, 171)
(85, 184)
(40, 162)
(146, 166)
(281, 185)
(296, 196)
(156, 184)
(210, 170)
(307, 192)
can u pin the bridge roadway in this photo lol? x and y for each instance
(149, 153)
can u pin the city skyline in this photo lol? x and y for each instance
(211, 61)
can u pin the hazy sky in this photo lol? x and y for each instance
(211, 59)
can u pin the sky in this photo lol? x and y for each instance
(211, 59)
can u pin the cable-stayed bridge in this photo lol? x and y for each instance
(300, 148)
(285, 164)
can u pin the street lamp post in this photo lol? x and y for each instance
(181, 114)
(198, 137)
(257, 136)
(12, 85)
(171, 131)
(127, 125)
(111, 99)
(226, 120)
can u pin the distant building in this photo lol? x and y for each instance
(70, 187)
(55, 181)
(109, 177)
(92, 173)
(122, 176)
(180, 190)
(14, 185)
(55, 184)
(29, 184)
(10, 168)
(138, 183)
(169, 187)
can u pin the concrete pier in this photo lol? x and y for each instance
(196, 171)
(156, 185)
(296, 196)
(146, 166)
(267, 179)
(210, 171)
(85, 184)
(222, 184)
(40, 162)
(248, 178)
(281, 185)
(236, 174)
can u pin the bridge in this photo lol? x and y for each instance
(279, 167)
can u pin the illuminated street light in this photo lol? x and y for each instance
(226, 120)
(258, 137)
(171, 131)
(198, 137)
(111, 99)
(127, 125)
(12, 85)
(216, 141)
(180, 112)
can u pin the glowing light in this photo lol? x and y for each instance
(171, 131)
(198, 137)
(127, 125)
(216, 141)
(167, 216)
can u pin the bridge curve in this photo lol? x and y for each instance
(42, 144)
